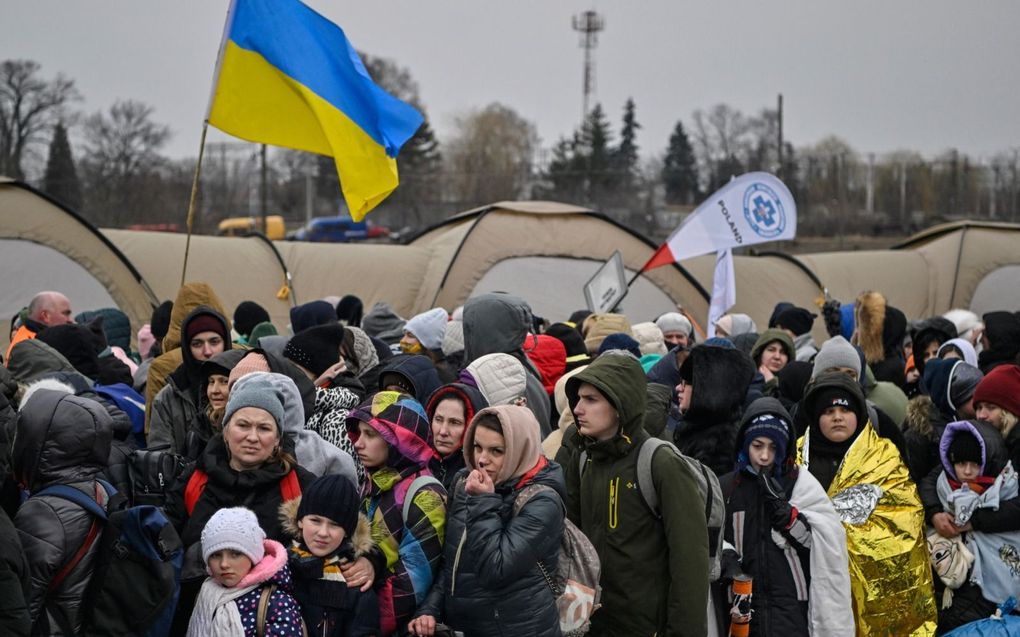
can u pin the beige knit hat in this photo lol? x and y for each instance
(598, 326)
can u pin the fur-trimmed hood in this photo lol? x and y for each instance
(881, 328)
(361, 540)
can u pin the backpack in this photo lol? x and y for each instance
(416, 485)
(290, 488)
(136, 579)
(130, 402)
(575, 584)
(708, 489)
(153, 473)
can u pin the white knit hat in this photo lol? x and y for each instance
(649, 335)
(453, 340)
(429, 327)
(236, 529)
(674, 322)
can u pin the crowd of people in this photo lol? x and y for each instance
(357, 474)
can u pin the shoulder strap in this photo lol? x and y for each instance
(260, 617)
(94, 508)
(290, 488)
(74, 495)
(646, 484)
(527, 493)
(416, 485)
(193, 490)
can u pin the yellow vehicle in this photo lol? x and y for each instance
(240, 226)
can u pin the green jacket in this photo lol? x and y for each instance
(654, 572)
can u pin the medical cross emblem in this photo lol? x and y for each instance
(764, 211)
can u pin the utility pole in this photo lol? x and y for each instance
(588, 24)
(869, 203)
(264, 193)
(903, 198)
(779, 116)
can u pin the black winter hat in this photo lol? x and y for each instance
(247, 315)
(349, 310)
(311, 314)
(577, 353)
(333, 497)
(77, 344)
(832, 395)
(159, 324)
(316, 348)
(796, 319)
(965, 448)
(780, 307)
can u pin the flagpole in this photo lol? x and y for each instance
(191, 201)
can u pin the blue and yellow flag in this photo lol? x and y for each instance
(288, 77)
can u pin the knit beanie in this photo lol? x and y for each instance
(734, 324)
(650, 338)
(577, 353)
(316, 348)
(247, 315)
(428, 327)
(620, 341)
(205, 323)
(311, 314)
(720, 341)
(772, 427)
(252, 362)
(674, 322)
(780, 307)
(236, 529)
(349, 310)
(1000, 387)
(160, 320)
(963, 380)
(836, 396)
(836, 352)
(796, 319)
(598, 326)
(334, 497)
(256, 392)
(966, 448)
(453, 338)
(264, 328)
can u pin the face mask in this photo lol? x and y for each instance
(407, 348)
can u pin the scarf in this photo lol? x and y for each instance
(215, 611)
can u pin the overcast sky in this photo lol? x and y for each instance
(925, 75)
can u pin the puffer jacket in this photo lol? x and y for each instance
(491, 584)
(498, 323)
(14, 617)
(62, 439)
(708, 430)
(178, 407)
(412, 547)
(446, 469)
(189, 297)
(654, 571)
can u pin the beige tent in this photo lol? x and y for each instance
(541, 250)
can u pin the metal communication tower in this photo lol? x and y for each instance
(588, 24)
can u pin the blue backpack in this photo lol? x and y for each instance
(136, 579)
(130, 402)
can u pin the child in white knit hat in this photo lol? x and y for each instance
(249, 590)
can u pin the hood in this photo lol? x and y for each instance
(495, 323)
(994, 454)
(843, 381)
(383, 323)
(964, 347)
(419, 371)
(793, 380)
(936, 380)
(189, 297)
(565, 417)
(33, 358)
(768, 405)
(721, 377)
(78, 344)
(201, 310)
(364, 352)
(522, 440)
(499, 377)
(935, 329)
(402, 422)
(60, 437)
(622, 381)
(221, 364)
(361, 541)
(550, 357)
(666, 371)
(470, 396)
(288, 395)
(771, 335)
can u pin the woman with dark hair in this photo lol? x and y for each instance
(504, 526)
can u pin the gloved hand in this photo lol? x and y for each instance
(782, 513)
(729, 562)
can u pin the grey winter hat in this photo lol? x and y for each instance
(674, 322)
(963, 380)
(258, 391)
(236, 529)
(836, 352)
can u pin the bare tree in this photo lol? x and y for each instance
(490, 156)
(721, 142)
(29, 108)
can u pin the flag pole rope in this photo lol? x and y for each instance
(191, 200)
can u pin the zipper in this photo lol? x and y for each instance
(614, 498)
(456, 562)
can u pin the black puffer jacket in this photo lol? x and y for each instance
(62, 439)
(708, 431)
(490, 584)
(778, 572)
(14, 617)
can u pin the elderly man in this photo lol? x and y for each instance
(44, 310)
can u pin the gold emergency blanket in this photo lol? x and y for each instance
(890, 576)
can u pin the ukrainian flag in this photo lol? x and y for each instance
(288, 77)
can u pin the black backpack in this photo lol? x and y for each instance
(136, 577)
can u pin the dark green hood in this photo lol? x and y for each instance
(622, 381)
(33, 358)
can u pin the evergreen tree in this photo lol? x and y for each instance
(680, 169)
(626, 155)
(61, 179)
